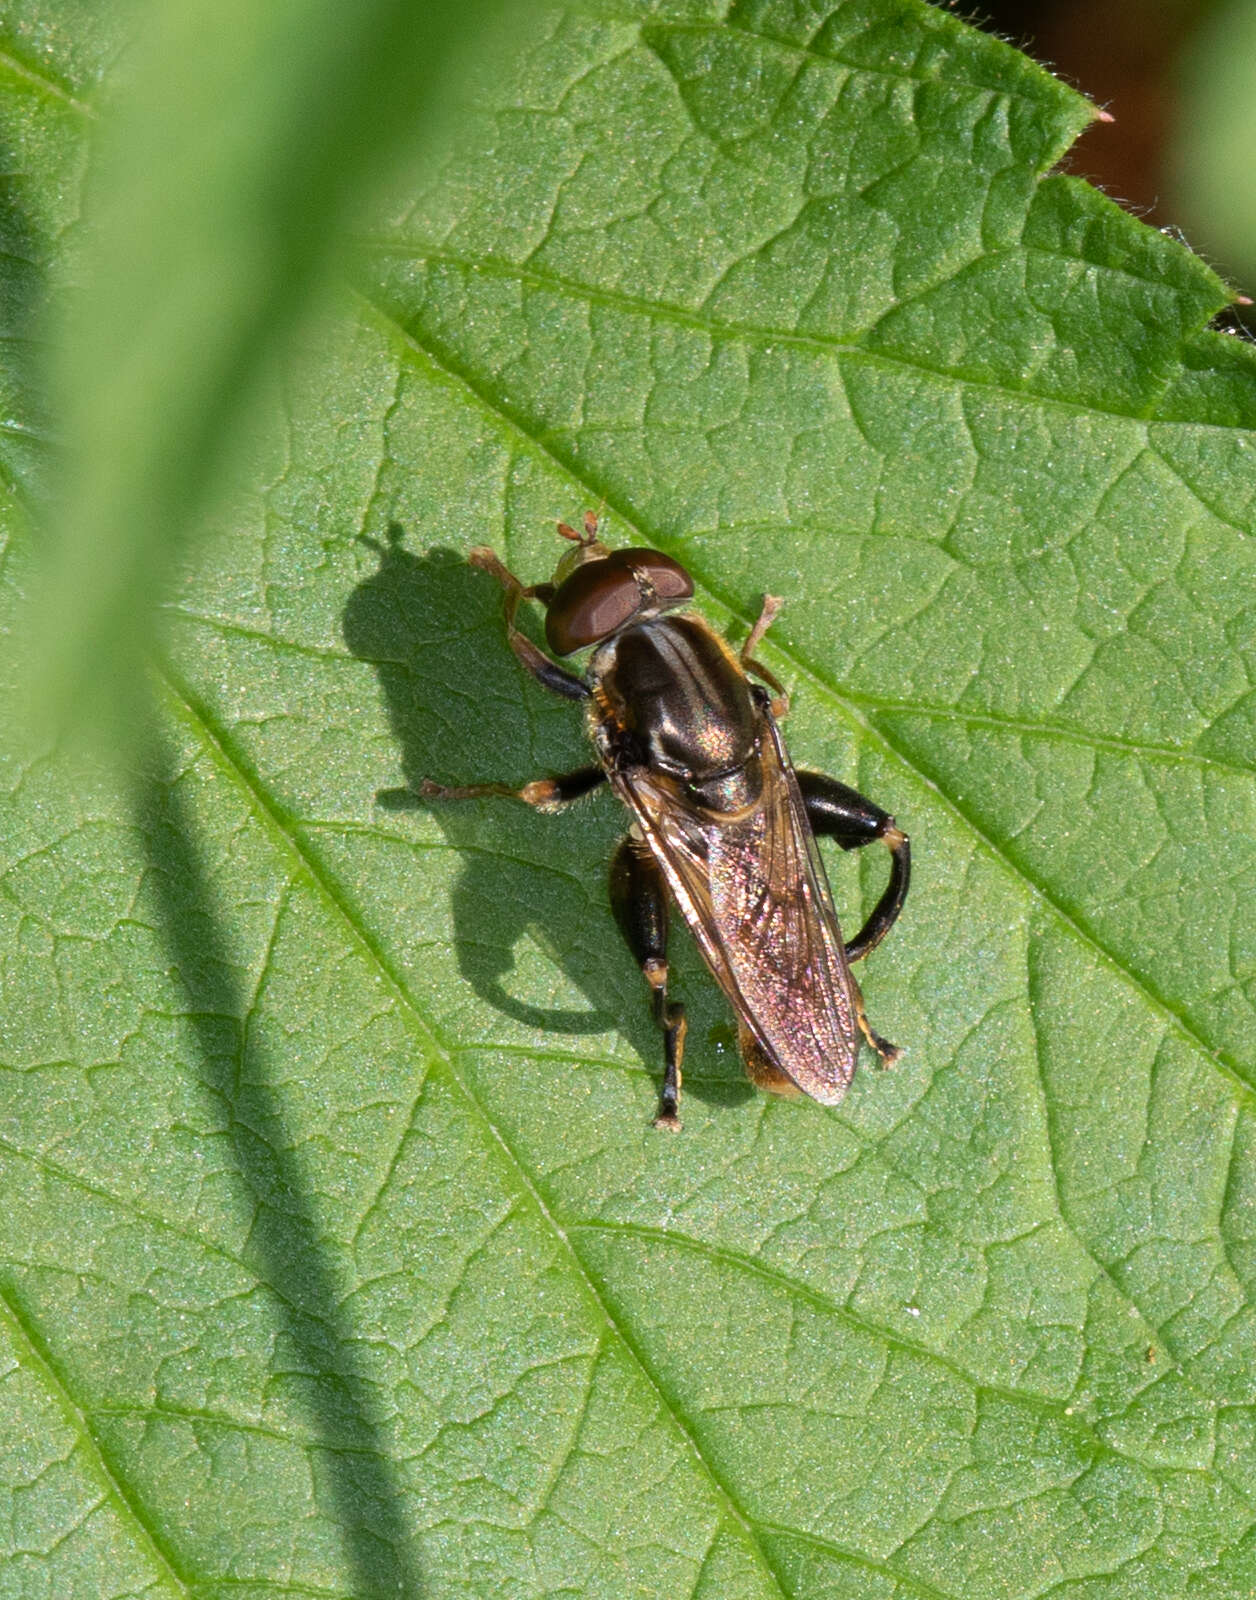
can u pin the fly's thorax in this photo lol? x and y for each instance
(680, 700)
(733, 793)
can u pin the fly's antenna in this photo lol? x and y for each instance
(590, 524)
(588, 546)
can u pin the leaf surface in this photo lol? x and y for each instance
(338, 1254)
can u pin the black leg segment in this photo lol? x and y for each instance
(838, 812)
(639, 901)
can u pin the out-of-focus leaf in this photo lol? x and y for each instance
(1214, 187)
(338, 1255)
(236, 144)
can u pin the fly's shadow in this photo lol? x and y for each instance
(461, 712)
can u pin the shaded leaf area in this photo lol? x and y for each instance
(340, 1257)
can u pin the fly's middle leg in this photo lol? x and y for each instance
(542, 794)
(639, 901)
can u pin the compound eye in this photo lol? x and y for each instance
(670, 580)
(590, 605)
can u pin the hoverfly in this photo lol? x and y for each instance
(722, 824)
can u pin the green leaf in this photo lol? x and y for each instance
(1213, 126)
(338, 1256)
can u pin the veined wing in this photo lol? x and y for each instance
(754, 894)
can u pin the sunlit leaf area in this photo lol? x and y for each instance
(338, 1254)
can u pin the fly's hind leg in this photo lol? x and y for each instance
(842, 813)
(838, 812)
(887, 1052)
(639, 901)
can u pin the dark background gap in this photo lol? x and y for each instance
(1125, 55)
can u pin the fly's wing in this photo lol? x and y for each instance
(755, 897)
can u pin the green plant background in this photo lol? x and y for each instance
(337, 1254)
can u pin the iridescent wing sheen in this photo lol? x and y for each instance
(754, 894)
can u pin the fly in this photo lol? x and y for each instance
(723, 827)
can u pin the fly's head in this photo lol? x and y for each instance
(598, 591)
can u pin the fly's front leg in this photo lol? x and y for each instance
(546, 672)
(838, 812)
(771, 606)
(639, 901)
(542, 794)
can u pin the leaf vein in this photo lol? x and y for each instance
(198, 717)
(418, 254)
(1186, 1030)
(78, 1420)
